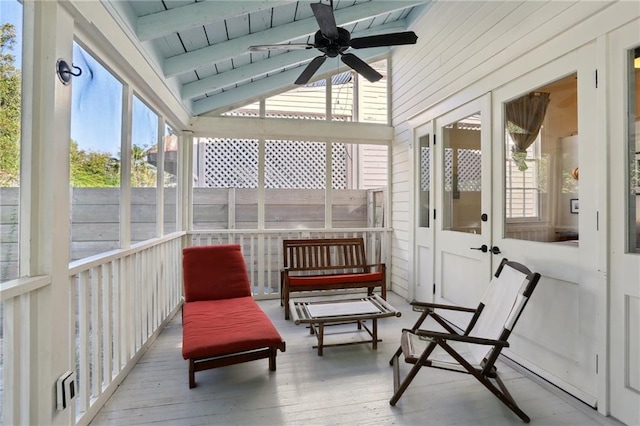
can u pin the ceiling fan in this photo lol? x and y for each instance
(332, 41)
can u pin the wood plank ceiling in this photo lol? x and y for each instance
(201, 47)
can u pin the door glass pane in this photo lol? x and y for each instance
(462, 175)
(541, 164)
(425, 183)
(634, 151)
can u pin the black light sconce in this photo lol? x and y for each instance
(64, 71)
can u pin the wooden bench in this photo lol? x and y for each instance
(328, 264)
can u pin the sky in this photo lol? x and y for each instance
(96, 115)
(11, 11)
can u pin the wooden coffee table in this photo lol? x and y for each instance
(341, 311)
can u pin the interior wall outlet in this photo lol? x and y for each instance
(66, 389)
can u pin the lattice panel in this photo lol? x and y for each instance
(425, 158)
(290, 165)
(233, 163)
(469, 170)
(339, 163)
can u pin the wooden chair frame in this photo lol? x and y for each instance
(486, 373)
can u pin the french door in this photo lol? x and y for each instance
(546, 197)
(424, 226)
(460, 215)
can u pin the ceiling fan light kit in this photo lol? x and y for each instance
(334, 41)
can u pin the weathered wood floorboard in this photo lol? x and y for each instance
(348, 385)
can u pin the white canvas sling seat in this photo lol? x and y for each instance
(483, 339)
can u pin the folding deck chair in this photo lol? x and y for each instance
(485, 335)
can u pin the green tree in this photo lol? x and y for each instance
(92, 169)
(143, 174)
(10, 85)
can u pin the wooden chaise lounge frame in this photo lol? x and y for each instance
(221, 323)
(487, 333)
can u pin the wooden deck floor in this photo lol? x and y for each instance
(349, 385)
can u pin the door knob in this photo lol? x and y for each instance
(495, 250)
(483, 248)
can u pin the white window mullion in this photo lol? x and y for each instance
(328, 192)
(261, 182)
(160, 178)
(125, 167)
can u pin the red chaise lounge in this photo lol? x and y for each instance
(221, 323)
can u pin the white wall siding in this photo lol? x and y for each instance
(493, 43)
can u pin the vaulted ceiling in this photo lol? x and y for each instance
(200, 48)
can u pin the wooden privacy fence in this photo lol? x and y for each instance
(95, 215)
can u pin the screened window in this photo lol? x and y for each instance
(359, 183)
(144, 174)
(170, 179)
(96, 122)
(10, 115)
(225, 193)
(373, 97)
(352, 98)
(295, 182)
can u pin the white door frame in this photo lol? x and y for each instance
(624, 272)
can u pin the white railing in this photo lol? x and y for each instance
(19, 314)
(263, 250)
(122, 301)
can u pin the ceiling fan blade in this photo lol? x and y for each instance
(326, 20)
(311, 69)
(393, 39)
(361, 67)
(292, 46)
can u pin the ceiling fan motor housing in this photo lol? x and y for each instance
(333, 47)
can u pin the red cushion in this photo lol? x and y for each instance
(214, 272)
(335, 279)
(220, 327)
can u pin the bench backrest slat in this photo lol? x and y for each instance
(322, 254)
